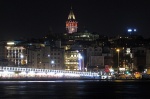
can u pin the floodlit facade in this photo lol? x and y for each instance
(71, 23)
(16, 55)
(82, 36)
(74, 60)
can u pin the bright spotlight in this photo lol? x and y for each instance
(129, 30)
(52, 62)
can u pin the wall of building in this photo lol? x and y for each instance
(147, 58)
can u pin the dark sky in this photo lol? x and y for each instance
(32, 18)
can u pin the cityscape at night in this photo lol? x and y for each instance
(87, 43)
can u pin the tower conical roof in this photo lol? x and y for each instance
(71, 15)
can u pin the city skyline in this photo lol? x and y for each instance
(32, 19)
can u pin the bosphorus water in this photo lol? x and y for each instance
(75, 89)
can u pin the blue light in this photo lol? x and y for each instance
(134, 30)
(80, 57)
(80, 60)
(129, 30)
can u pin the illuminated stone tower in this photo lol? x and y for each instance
(71, 23)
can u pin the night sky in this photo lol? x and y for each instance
(33, 18)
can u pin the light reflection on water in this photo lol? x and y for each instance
(52, 81)
(74, 89)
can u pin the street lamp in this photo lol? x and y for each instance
(49, 61)
(52, 62)
(118, 50)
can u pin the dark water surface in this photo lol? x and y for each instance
(75, 89)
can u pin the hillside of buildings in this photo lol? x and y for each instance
(78, 52)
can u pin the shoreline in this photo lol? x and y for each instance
(44, 79)
(56, 79)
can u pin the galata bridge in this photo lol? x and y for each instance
(17, 72)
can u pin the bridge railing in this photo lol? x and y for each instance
(35, 70)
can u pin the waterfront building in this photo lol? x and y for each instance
(148, 58)
(35, 55)
(139, 55)
(57, 58)
(94, 58)
(108, 56)
(74, 60)
(46, 56)
(3, 54)
(16, 54)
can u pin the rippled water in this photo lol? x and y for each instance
(75, 89)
